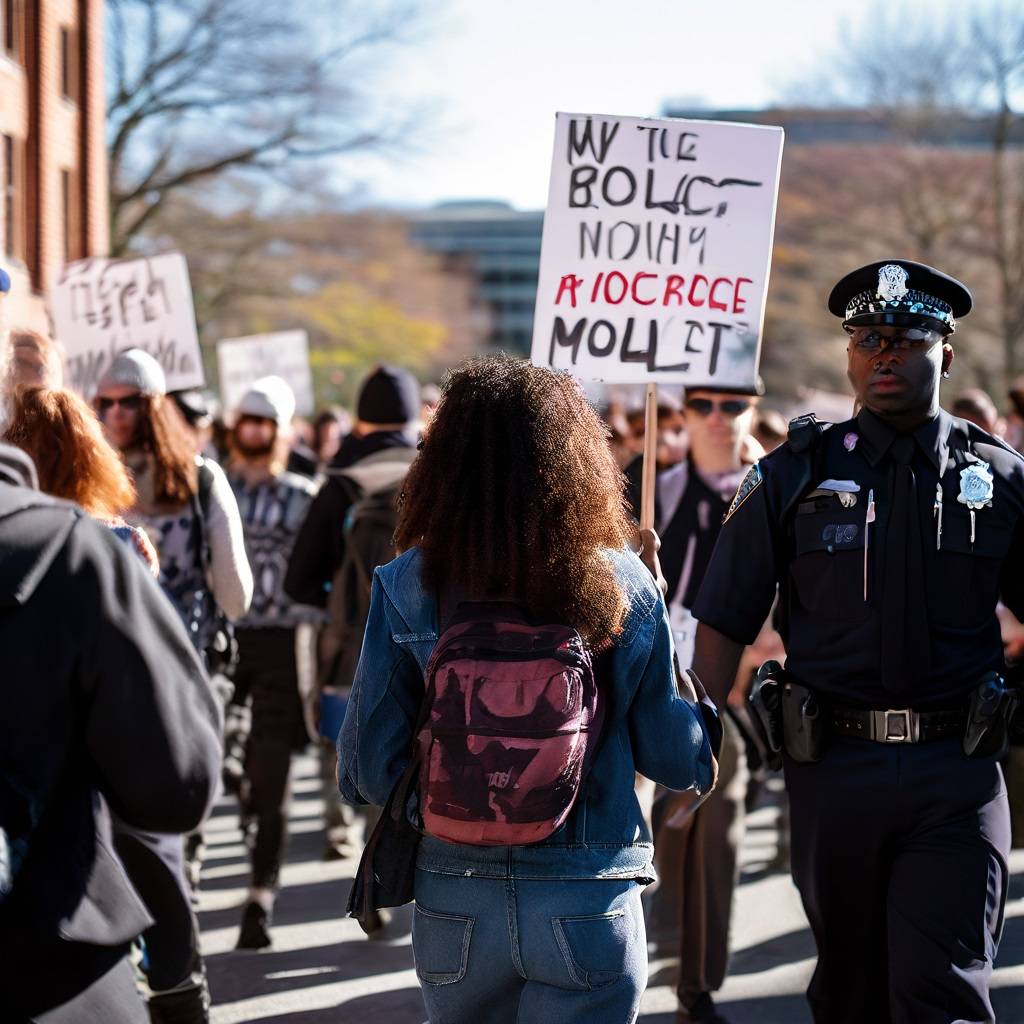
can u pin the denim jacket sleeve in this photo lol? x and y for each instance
(376, 737)
(670, 743)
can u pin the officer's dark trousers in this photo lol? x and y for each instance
(266, 671)
(900, 855)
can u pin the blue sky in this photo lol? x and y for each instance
(495, 72)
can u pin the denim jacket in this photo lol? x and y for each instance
(648, 728)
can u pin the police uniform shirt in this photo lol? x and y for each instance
(815, 555)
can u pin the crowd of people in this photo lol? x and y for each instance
(210, 595)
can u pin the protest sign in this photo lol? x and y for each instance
(101, 307)
(242, 361)
(656, 250)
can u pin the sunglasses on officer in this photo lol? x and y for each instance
(726, 406)
(130, 403)
(870, 339)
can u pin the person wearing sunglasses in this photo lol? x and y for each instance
(186, 507)
(891, 539)
(696, 855)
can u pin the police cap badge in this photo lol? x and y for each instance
(900, 293)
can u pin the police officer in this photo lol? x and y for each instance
(891, 538)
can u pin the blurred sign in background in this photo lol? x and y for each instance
(242, 361)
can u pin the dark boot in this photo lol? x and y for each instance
(255, 930)
(698, 1008)
(182, 1006)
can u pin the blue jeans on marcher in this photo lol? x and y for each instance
(529, 951)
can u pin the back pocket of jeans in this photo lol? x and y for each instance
(440, 945)
(594, 948)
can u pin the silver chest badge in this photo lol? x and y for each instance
(976, 489)
(892, 282)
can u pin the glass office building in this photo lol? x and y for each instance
(500, 247)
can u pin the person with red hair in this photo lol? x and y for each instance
(74, 461)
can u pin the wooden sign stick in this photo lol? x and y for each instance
(650, 458)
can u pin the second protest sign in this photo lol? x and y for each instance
(242, 361)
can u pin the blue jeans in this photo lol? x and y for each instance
(520, 951)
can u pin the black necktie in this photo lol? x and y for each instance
(906, 647)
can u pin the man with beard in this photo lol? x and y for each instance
(273, 504)
(891, 538)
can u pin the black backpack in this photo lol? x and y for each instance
(373, 485)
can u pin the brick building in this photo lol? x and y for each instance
(53, 177)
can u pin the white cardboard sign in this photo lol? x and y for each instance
(657, 248)
(101, 307)
(242, 361)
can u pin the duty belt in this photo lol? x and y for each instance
(901, 726)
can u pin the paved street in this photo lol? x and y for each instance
(322, 969)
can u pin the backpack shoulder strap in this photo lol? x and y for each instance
(377, 472)
(201, 509)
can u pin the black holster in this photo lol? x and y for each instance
(765, 703)
(804, 723)
(989, 714)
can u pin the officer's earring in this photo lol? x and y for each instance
(945, 374)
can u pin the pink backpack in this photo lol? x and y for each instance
(514, 717)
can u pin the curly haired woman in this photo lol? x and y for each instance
(516, 497)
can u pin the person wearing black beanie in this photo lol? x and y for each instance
(371, 464)
(389, 397)
(387, 411)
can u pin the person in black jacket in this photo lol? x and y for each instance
(106, 710)
(387, 411)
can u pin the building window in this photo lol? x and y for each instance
(10, 28)
(10, 182)
(65, 199)
(69, 63)
(71, 207)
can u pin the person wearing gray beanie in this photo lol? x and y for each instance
(269, 398)
(136, 370)
(186, 508)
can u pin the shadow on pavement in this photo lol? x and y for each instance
(1008, 1003)
(781, 949)
(788, 1009)
(296, 904)
(399, 1006)
(242, 974)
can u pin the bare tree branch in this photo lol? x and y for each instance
(201, 87)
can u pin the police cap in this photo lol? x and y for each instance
(902, 294)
